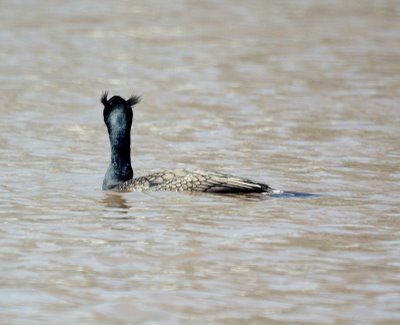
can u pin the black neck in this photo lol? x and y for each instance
(120, 168)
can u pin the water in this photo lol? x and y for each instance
(301, 95)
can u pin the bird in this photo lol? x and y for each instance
(119, 177)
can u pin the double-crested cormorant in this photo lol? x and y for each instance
(119, 176)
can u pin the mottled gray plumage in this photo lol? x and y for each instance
(193, 181)
(119, 176)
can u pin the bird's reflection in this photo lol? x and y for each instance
(115, 201)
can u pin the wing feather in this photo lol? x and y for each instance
(193, 181)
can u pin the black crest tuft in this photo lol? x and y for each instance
(133, 100)
(104, 99)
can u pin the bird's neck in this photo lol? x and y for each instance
(120, 168)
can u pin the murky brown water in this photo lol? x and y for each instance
(303, 95)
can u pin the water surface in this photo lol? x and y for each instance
(301, 95)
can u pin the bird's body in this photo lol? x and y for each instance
(119, 177)
(180, 180)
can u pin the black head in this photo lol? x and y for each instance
(118, 111)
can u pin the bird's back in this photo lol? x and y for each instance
(193, 181)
